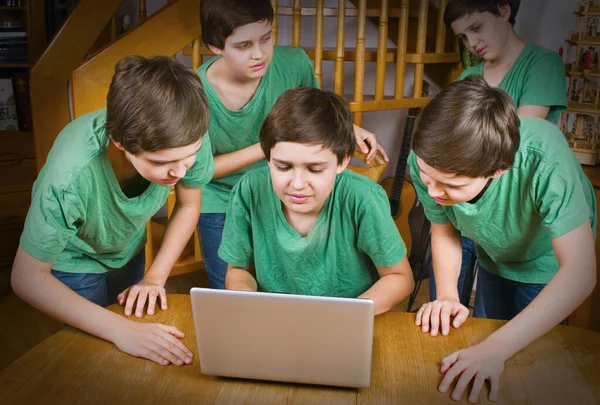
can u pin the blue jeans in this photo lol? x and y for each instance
(210, 230)
(501, 298)
(103, 288)
(467, 273)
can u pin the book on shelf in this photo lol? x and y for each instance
(23, 100)
(8, 107)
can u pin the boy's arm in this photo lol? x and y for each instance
(240, 278)
(179, 230)
(230, 163)
(395, 284)
(534, 111)
(446, 252)
(32, 280)
(573, 283)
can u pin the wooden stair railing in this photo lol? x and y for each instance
(52, 72)
(437, 62)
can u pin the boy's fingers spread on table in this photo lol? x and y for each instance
(425, 317)
(155, 357)
(465, 378)
(141, 301)
(448, 361)
(434, 320)
(173, 336)
(419, 315)
(445, 320)
(175, 350)
(151, 302)
(121, 297)
(494, 388)
(163, 298)
(172, 330)
(133, 292)
(476, 389)
(461, 317)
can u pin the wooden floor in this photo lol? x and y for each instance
(22, 326)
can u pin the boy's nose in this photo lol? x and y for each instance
(178, 171)
(298, 181)
(257, 52)
(434, 191)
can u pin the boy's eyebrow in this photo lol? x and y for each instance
(469, 28)
(445, 184)
(160, 161)
(308, 164)
(247, 41)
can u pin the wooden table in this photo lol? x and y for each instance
(72, 367)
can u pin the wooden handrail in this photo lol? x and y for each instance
(52, 72)
(164, 33)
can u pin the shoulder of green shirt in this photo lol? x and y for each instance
(474, 70)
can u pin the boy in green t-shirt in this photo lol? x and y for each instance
(83, 243)
(242, 83)
(513, 186)
(533, 76)
(304, 224)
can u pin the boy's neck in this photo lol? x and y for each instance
(514, 46)
(121, 166)
(301, 223)
(234, 91)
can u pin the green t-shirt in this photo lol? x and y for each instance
(234, 130)
(536, 78)
(353, 233)
(545, 195)
(80, 220)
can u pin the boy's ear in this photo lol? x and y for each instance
(498, 173)
(215, 50)
(118, 145)
(505, 12)
(342, 166)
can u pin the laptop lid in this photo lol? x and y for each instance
(284, 337)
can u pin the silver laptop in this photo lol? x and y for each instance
(284, 337)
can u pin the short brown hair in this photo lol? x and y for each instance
(155, 103)
(456, 9)
(470, 129)
(220, 17)
(310, 116)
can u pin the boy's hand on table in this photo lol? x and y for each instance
(153, 341)
(145, 290)
(477, 363)
(439, 312)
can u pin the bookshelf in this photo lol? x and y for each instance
(17, 152)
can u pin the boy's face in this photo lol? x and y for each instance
(303, 175)
(164, 167)
(248, 50)
(484, 34)
(448, 189)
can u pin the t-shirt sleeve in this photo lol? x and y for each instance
(51, 221)
(545, 83)
(468, 72)
(236, 245)
(204, 167)
(378, 235)
(433, 211)
(559, 194)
